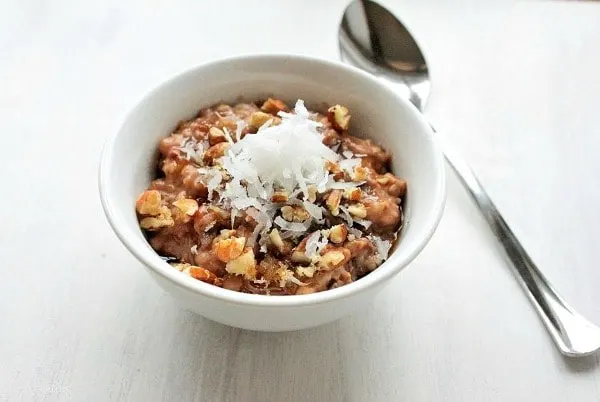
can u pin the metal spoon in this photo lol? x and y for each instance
(373, 39)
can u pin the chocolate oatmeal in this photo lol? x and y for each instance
(258, 198)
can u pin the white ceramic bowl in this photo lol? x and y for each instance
(129, 158)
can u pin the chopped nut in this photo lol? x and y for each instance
(300, 214)
(399, 189)
(187, 206)
(312, 193)
(306, 271)
(335, 170)
(394, 186)
(352, 194)
(358, 210)
(181, 266)
(300, 257)
(216, 135)
(149, 203)
(171, 166)
(224, 173)
(287, 213)
(229, 249)
(281, 246)
(338, 233)
(286, 276)
(276, 239)
(383, 180)
(219, 211)
(332, 259)
(333, 202)
(274, 106)
(294, 213)
(258, 119)
(223, 109)
(203, 275)
(163, 219)
(244, 265)
(215, 152)
(249, 216)
(225, 234)
(339, 116)
(196, 272)
(205, 219)
(360, 174)
(299, 253)
(280, 196)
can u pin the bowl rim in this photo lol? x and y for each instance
(151, 260)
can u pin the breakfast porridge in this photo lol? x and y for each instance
(261, 198)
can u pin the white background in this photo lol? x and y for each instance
(516, 85)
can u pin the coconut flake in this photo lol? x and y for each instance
(348, 165)
(288, 276)
(345, 215)
(241, 125)
(347, 154)
(322, 243)
(192, 150)
(214, 182)
(312, 242)
(263, 224)
(356, 232)
(383, 246)
(234, 214)
(245, 202)
(343, 185)
(363, 222)
(314, 210)
(315, 243)
(290, 226)
(227, 135)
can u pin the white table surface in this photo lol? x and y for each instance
(516, 85)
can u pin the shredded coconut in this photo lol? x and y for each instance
(314, 210)
(348, 165)
(341, 185)
(288, 276)
(355, 232)
(312, 241)
(347, 154)
(363, 222)
(289, 156)
(214, 182)
(345, 215)
(192, 151)
(383, 246)
(241, 125)
(290, 226)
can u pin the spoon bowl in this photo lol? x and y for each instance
(371, 38)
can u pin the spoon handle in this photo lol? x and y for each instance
(572, 333)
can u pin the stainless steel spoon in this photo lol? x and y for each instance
(373, 39)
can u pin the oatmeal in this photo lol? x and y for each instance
(258, 198)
